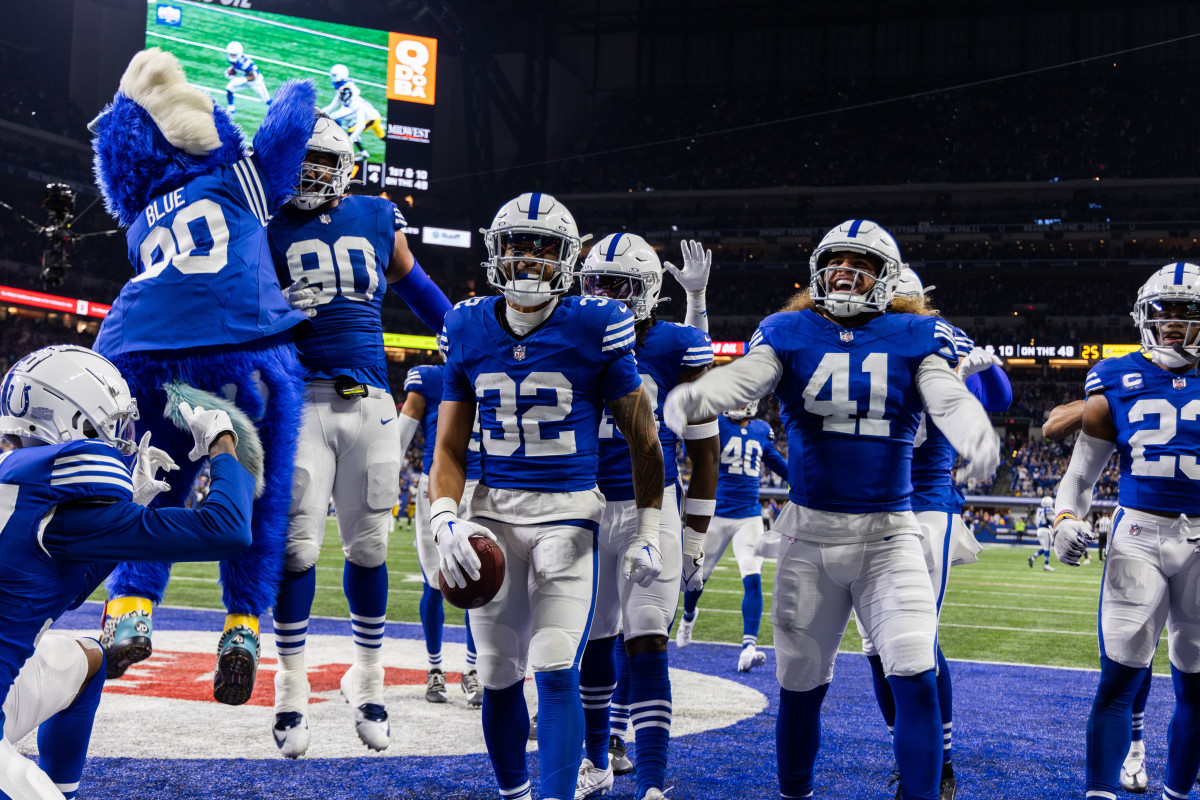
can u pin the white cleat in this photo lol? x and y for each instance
(291, 723)
(655, 794)
(363, 689)
(593, 781)
(1048, 568)
(683, 636)
(750, 657)
(1133, 771)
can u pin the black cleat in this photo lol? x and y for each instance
(618, 759)
(949, 785)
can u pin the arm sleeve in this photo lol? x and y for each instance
(1087, 463)
(992, 388)
(952, 407)
(750, 377)
(774, 460)
(125, 531)
(697, 314)
(408, 429)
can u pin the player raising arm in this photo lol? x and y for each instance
(1144, 405)
(851, 382)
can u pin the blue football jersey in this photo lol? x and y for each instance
(541, 396)
(427, 382)
(850, 405)
(1043, 517)
(204, 274)
(36, 589)
(344, 252)
(668, 349)
(744, 453)
(244, 65)
(1156, 415)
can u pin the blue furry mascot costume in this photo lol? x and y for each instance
(204, 320)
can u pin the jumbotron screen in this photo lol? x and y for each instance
(379, 85)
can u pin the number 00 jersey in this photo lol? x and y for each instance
(344, 252)
(850, 405)
(1157, 417)
(744, 451)
(667, 350)
(540, 397)
(427, 381)
(204, 274)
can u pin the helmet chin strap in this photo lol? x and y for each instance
(1174, 358)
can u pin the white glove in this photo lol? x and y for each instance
(459, 561)
(642, 561)
(206, 427)
(303, 297)
(697, 262)
(692, 577)
(976, 361)
(1071, 539)
(676, 407)
(148, 462)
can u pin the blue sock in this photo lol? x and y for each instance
(945, 691)
(918, 736)
(1047, 552)
(797, 737)
(618, 716)
(559, 732)
(1109, 726)
(293, 604)
(690, 599)
(883, 692)
(433, 616)
(597, 680)
(228, 98)
(650, 701)
(471, 654)
(63, 739)
(1139, 705)
(1183, 737)
(366, 591)
(752, 606)
(506, 730)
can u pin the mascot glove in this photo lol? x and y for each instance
(976, 361)
(459, 561)
(148, 462)
(642, 561)
(697, 263)
(679, 403)
(303, 297)
(1071, 539)
(206, 426)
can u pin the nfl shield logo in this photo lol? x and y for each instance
(1134, 530)
(325, 219)
(1179, 383)
(847, 336)
(519, 352)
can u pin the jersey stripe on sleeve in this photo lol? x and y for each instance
(1093, 383)
(618, 335)
(698, 356)
(252, 187)
(412, 382)
(93, 469)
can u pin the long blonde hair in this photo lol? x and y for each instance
(802, 301)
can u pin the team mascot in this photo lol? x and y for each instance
(203, 320)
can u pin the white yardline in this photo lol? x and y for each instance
(1022, 595)
(1091, 613)
(262, 21)
(213, 90)
(263, 59)
(1022, 630)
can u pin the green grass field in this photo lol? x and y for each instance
(995, 610)
(282, 47)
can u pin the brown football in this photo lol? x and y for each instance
(491, 577)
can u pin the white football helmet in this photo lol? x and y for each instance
(1173, 339)
(533, 245)
(623, 266)
(233, 51)
(320, 183)
(339, 74)
(743, 412)
(909, 284)
(65, 393)
(856, 236)
(1047, 501)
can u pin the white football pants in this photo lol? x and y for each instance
(427, 551)
(259, 85)
(744, 534)
(1045, 539)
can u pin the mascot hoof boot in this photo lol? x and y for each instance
(237, 665)
(125, 635)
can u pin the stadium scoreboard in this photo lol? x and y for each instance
(395, 74)
(1042, 350)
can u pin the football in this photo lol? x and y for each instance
(491, 577)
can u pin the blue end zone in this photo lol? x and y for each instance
(1018, 732)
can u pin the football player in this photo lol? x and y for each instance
(242, 71)
(339, 254)
(539, 366)
(1043, 518)
(851, 382)
(747, 445)
(424, 387)
(623, 267)
(349, 104)
(1143, 405)
(72, 508)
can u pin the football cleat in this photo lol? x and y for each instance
(533, 727)
(655, 794)
(291, 724)
(1133, 771)
(593, 781)
(683, 636)
(895, 779)
(1048, 568)
(125, 634)
(435, 686)
(750, 657)
(237, 660)
(949, 785)
(472, 688)
(363, 689)
(618, 759)
(1031, 560)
